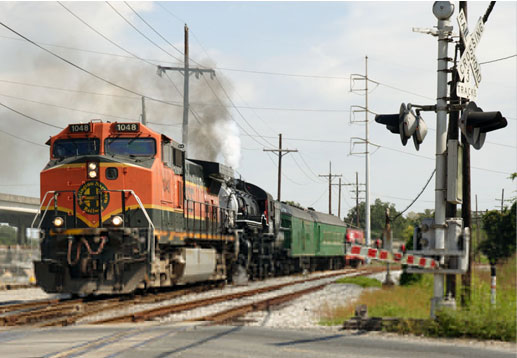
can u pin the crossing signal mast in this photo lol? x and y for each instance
(447, 238)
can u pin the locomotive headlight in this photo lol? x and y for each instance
(58, 221)
(92, 169)
(117, 220)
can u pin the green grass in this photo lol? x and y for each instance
(360, 281)
(478, 320)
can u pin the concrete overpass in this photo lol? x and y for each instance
(18, 211)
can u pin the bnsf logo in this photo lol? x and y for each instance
(127, 127)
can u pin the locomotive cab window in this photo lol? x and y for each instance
(167, 154)
(64, 148)
(130, 147)
(178, 157)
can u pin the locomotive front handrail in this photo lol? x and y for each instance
(55, 194)
(46, 209)
(54, 199)
(150, 238)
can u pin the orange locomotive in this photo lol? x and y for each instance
(122, 208)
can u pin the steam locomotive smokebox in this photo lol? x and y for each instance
(215, 170)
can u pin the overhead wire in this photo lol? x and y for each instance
(115, 44)
(22, 139)
(85, 70)
(68, 108)
(498, 59)
(140, 32)
(104, 36)
(29, 117)
(152, 28)
(303, 171)
(418, 196)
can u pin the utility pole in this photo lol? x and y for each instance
(477, 228)
(466, 214)
(143, 117)
(339, 200)
(367, 176)
(280, 152)
(502, 201)
(356, 192)
(366, 142)
(186, 70)
(330, 176)
(387, 246)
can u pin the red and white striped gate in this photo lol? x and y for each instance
(398, 257)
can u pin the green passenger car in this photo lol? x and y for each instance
(310, 233)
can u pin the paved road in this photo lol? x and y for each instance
(160, 341)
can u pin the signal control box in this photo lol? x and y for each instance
(455, 254)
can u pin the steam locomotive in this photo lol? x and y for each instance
(123, 209)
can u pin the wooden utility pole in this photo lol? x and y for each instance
(477, 229)
(280, 152)
(466, 279)
(187, 71)
(339, 199)
(356, 192)
(144, 118)
(330, 176)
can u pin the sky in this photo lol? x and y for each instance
(281, 67)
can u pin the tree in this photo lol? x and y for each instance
(500, 241)
(378, 218)
(500, 231)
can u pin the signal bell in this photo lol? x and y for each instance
(475, 124)
(406, 123)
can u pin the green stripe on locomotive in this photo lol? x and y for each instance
(308, 233)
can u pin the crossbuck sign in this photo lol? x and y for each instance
(468, 62)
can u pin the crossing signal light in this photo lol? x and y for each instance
(475, 124)
(406, 123)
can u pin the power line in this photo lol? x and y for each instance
(498, 59)
(103, 36)
(68, 89)
(400, 89)
(29, 117)
(153, 29)
(418, 196)
(85, 70)
(429, 158)
(22, 139)
(284, 175)
(141, 33)
(113, 42)
(283, 74)
(68, 108)
(308, 166)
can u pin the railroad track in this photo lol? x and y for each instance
(231, 313)
(63, 312)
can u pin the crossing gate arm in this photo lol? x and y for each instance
(394, 257)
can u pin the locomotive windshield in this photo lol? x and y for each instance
(139, 147)
(64, 148)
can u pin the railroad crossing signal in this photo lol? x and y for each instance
(406, 123)
(468, 63)
(475, 124)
